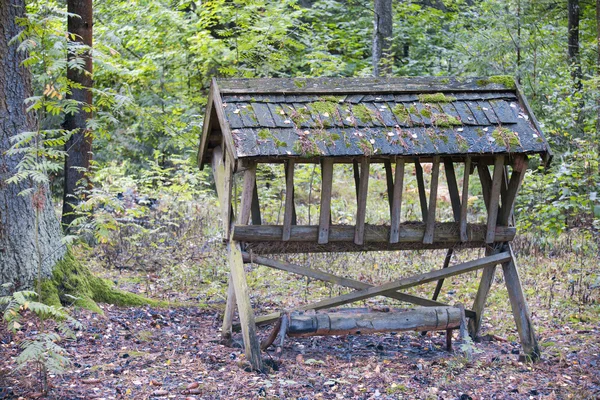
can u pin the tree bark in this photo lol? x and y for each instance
(382, 38)
(598, 74)
(79, 146)
(18, 254)
(573, 42)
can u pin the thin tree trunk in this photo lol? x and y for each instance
(598, 74)
(79, 146)
(382, 38)
(18, 255)
(574, 58)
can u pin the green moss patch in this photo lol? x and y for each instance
(436, 98)
(445, 120)
(361, 112)
(73, 283)
(505, 136)
(401, 113)
(504, 80)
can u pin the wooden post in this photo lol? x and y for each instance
(516, 178)
(483, 290)
(251, 344)
(430, 227)
(440, 283)
(361, 211)
(452, 188)
(247, 193)
(229, 313)
(389, 178)
(486, 183)
(223, 184)
(519, 307)
(397, 201)
(255, 208)
(421, 186)
(356, 173)
(494, 199)
(325, 212)
(289, 211)
(465, 201)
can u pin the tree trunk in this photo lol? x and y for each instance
(382, 38)
(598, 74)
(18, 254)
(79, 146)
(573, 42)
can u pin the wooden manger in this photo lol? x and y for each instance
(484, 124)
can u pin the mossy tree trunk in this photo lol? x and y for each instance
(21, 247)
(18, 255)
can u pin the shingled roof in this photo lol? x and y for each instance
(345, 117)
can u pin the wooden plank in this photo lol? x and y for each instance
(356, 173)
(416, 319)
(410, 232)
(247, 193)
(397, 201)
(327, 85)
(289, 200)
(325, 212)
(452, 188)
(225, 130)
(486, 183)
(421, 186)
(251, 344)
(485, 283)
(361, 207)
(389, 178)
(229, 312)
(465, 201)
(516, 179)
(223, 185)
(206, 128)
(337, 280)
(430, 227)
(408, 282)
(255, 207)
(519, 307)
(494, 199)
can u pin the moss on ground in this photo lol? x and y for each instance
(73, 283)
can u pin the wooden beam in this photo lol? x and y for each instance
(229, 312)
(452, 188)
(486, 183)
(516, 179)
(337, 280)
(361, 207)
(440, 283)
(421, 186)
(223, 183)
(465, 201)
(289, 200)
(408, 282)
(519, 307)
(248, 324)
(494, 199)
(356, 173)
(389, 178)
(416, 319)
(397, 201)
(485, 283)
(410, 232)
(247, 193)
(224, 125)
(255, 207)
(430, 224)
(325, 212)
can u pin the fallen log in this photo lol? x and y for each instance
(416, 319)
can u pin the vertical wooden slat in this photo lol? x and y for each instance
(452, 188)
(486, 183)
(325, 213)
(255, 208)
(230, 305)
(483, 290)
(430, 221)
(494, 199)
(223, 182)
(289, 201)
(247, 192)
(356, 171)
(421, 185)
(397, 201)
(287, 173)
(440, 283)
(361, 211)
(465, 201)
(516, 178)
(390, 183)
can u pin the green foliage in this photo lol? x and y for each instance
(41, 349)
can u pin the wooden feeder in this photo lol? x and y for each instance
(485, 124)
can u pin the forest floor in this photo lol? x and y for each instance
(176, 353)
